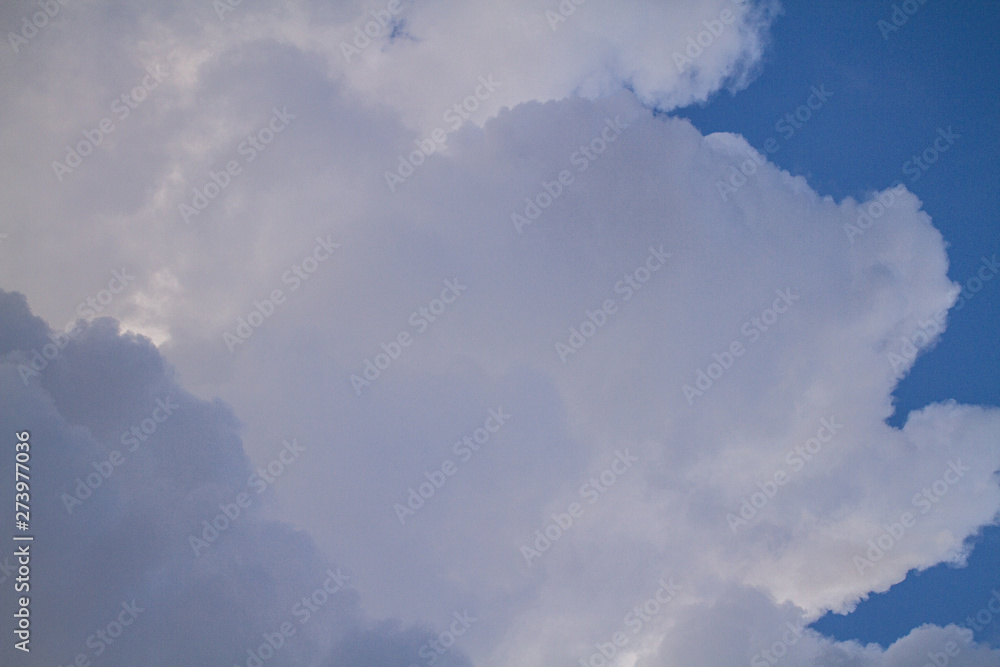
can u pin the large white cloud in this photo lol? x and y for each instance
(814, 314)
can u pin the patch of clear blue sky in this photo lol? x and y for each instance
(941, 69)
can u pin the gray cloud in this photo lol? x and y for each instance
(128, 542)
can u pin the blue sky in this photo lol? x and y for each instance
(890, 95)
(340, 349)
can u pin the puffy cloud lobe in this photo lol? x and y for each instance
(761, 634)
(854, 302)
(591, 48)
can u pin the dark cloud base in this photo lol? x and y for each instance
(116, 580)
